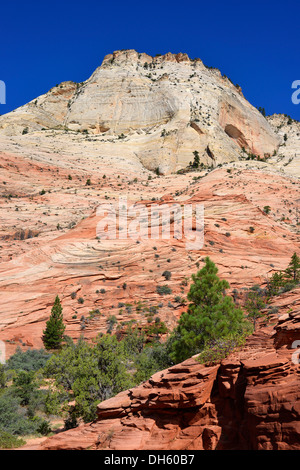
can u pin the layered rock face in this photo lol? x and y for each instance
(47, 111)
(287, 157)
(250, 401)
(88, 273)
(165, 108)
(83, 145)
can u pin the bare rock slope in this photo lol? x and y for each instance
(157, 111)
(247, 244)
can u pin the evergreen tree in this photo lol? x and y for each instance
(211, 314)
(53, 334)
(92, 372)
(275, 283)
(292, 272)
(196, 161)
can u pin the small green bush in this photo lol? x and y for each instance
(9, 441)
(216, 350)
(163, 290)
(167, 275)
(30, 360)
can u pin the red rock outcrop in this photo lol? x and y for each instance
(74, 264)
(250, 401)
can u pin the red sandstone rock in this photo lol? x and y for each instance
(250, 401)
(72, 261)
(49, 247)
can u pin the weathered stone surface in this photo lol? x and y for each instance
(87, 144)
(72, 263)
(251, 401)
(287, 157)
(154, 111)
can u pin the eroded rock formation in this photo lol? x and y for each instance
(125, 131)
(88, 273)
(160, 110)
(250, 401)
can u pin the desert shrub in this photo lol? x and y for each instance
(3, 376)
(9, 441)
(13, 417)
(157, 328)
(92, 372)
(26, 389)
(151, 360)
(287, 287)
(111, 321)
(180, 300)
(55, 398)
(163, 290)
(30, 360)
(218, 349)
(134, 341)
(167, 275)
(273, 310)
(196, 160)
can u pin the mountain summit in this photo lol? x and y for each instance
(162, 108)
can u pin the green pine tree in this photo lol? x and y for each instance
(275, 283)
(292, 272)
(196, 161)
(211, 314)
(53, 334)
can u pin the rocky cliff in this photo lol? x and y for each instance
(88, 273)
(287, 156)
(250, 401)
(83, 145)
(157, 110)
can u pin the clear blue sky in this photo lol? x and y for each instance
(255, 43)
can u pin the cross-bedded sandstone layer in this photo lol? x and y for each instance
(88, 273)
